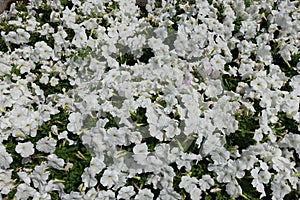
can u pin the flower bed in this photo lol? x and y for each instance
(169, 100)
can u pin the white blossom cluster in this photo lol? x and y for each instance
(192, 51)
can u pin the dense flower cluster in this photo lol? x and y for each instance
(152, 93)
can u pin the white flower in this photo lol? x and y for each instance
(295, 82)
(55, 162)
(44, 78)
(168, 194)
(24, 191)
(31, 23)
(59, 36)
(140, 153)
(144, 194)
(115, 136)
(259, 84)
(91, 194)
(6, 183)
(24, 177)
(46, 145)
(220, 155)
(214, 88)
(279, 187)
(43, 50)
(181, 44)
(212, 142)
(54, 81)
(196, 194)
(40, 175)
(249, 28)
(69, 16)
(80, 38)
(106, 195)
(97, 164)
(5, 158)
(19, 116)
(46, 29)
(245, 70)
(263, 54)
(23, 36)
(233, 188)
(188, 183)
(88, 177)
(75, 122)
(11, 37)
(109, 178)
(77, 195)
(206, 182)
(153, 163)
(64, 135)
(260, 177)
(126, 192)
(25, 149)
(291, 140)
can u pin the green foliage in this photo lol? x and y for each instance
(15, 70)
(177, 180)
(111, 6)
(195, 72)
(243, 137)
(81, 53)
(138, 181)
(151, 143)
(36, 37)
(147, 54)
(230, 82)
(237, 24)
(3, 46)
(44, 13)
(22, 9)
(54, 196)
(285, 124)
(248, 3)
(127, 58)
(294, 194)
(220, 14)
(139, 117)
(112, 122)
(199, 169)
(65, 3)
(248, 190)
(79, 156)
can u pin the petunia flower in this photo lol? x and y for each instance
(46, 144)
(126, 192)
(25, 149)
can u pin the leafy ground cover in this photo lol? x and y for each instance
(167, 100)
